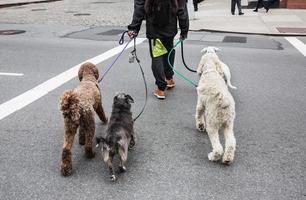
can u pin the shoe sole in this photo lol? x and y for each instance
(170, 86)
(159, 97)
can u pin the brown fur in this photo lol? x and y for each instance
(78, 107)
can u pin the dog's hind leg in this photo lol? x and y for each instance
(82, 135)
(230, 144)
(100, 112)
(199, 116)
(123, 151)
(66, 163)
(217, 152)
(88, 126)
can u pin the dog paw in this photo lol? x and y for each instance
(122, 169)
(214, 156)
(113, 178)
(66, 170)
(227, 159)
(201, 127)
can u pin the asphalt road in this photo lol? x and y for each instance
(170, 159)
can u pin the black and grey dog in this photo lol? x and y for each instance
(120, 133)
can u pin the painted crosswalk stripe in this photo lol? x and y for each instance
(41, 90)
(10, 74)
(298, 44)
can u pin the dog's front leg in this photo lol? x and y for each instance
(132, 141)
(100, 112)
(110, 167)
(199, 116)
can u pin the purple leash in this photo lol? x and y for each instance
(121, 41)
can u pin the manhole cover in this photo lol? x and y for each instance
(291, 30)
(81, 14)
(11, 32)
(234, 39)
(112, 32)
(39, 9)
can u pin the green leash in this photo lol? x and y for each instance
(177, 72)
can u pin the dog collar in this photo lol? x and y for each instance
(210, 70)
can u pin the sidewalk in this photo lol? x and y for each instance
(216, 15)
(213, 15)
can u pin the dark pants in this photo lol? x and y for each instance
(266, 5)
(234, 2)
(195, 5)
(160, 67)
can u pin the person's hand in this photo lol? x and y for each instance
(132, 34)
(183, 37)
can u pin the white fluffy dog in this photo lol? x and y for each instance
(217, 104)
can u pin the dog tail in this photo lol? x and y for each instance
(70, 105)
(229, 84)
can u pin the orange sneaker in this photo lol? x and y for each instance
(159, 94)
(170, 83)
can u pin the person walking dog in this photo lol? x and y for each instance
(238, 2)
(161, 27)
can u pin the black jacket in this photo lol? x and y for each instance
(153, 31)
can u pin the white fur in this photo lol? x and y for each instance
(224, 69)
(216, 103)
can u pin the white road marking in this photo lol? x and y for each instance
(39, 91)
(10, 74)
(299, 45)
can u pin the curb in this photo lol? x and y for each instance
(248, 33)
(6, 5)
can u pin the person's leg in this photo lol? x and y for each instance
(257, 6)
(195, 5)
(168, 44)
(233, 7)
(239, 7)
(158, 69)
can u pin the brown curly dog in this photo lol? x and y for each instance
(78, 107)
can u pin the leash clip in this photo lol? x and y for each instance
(132, 56)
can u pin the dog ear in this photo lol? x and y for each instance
(129, 98)
(217, 49)
(204, 50)
(80, 73)
(96, 73)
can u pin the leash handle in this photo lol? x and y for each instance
(121, 41)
